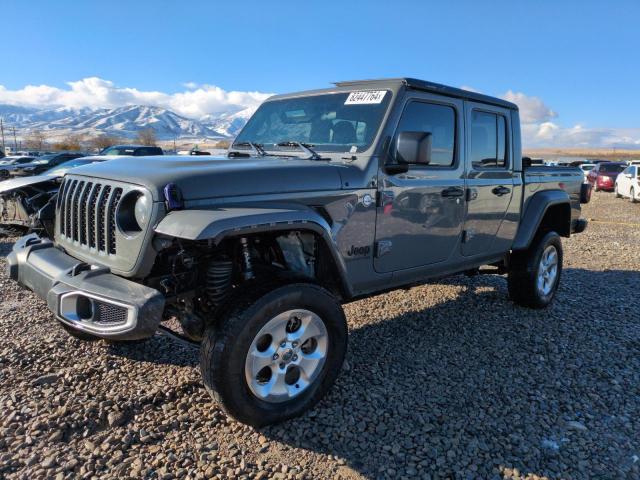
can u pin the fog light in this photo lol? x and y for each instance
(84, 308)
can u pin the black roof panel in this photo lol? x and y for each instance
(434, 88)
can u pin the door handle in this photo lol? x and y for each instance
(452, 192)
(500, 191)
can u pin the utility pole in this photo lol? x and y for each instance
(4, 150)
(15, 142)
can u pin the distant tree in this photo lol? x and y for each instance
(222, 144)
(73, 142)
(35, 140)
(101, 142)
(147, 137)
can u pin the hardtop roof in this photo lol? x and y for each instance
(412, 83)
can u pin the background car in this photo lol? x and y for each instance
(132, 150)
(628, 183)
(24, 200)
(603, 175)
(43, 163)
(8, 164)
(586, 168)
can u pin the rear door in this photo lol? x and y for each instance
(420, 211)
(489, 178)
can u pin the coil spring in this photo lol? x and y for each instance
(218, 279)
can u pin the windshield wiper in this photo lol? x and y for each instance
(256, 149)
(305, 147)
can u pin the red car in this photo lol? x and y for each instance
(603, 175)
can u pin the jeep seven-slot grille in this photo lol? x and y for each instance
(87, 213)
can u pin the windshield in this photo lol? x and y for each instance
(611, 167)
(336, 122)
(118, 151)
(44, 159)
(61, 169)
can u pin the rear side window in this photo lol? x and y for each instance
(440, 121)
(488, 140)
(147, 151)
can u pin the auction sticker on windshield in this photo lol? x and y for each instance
(365, 98)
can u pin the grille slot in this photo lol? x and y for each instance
(108, 314)
(87, 214)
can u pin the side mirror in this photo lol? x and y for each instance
(413, 148)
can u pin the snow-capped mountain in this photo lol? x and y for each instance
(124, 121)
(229, 124)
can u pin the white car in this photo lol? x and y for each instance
(586, 168)
(628, 183)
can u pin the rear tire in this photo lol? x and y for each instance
(260, 339)
(534, 274)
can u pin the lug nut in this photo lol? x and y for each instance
(295, 357)
(282, 365)
(283, 344)
(294, 344)
(275, 356)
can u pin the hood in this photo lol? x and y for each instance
(200, 177)
(12, 184)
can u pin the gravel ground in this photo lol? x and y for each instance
(443, 380)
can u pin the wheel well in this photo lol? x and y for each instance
(302, 252)
(557, 218)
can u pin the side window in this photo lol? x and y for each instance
(488, 140)
(440, 121)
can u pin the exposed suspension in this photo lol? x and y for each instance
(218, 279)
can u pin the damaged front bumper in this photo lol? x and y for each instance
(86, 297)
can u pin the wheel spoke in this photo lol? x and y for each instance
(310, 328)
(258, 360)
(309, 363)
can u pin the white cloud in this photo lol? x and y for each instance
(538, 129)
(532, 109)
(93, 92)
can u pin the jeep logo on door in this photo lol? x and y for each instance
(359, 251)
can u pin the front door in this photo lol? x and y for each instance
(489, 179)
(420, 211)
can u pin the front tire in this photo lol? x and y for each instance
(534, 274)
(275, 352)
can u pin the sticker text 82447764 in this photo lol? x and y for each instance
(367, 97)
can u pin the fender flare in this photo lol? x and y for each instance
(535, 211)
(216, 224)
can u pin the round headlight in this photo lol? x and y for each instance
(142, 210)
(133, 213)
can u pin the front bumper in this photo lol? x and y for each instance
(86, 297)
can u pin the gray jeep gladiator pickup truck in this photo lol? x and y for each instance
(325, 196)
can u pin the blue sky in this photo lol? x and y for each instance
(578, 59)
